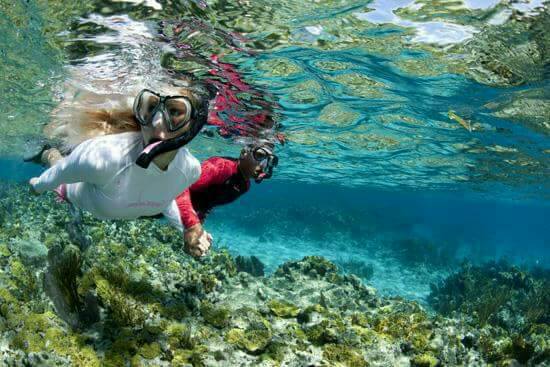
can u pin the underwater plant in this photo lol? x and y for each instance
(413, 252)
(64, 265)
(250, 264)
(503, 300)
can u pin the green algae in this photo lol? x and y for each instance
(283, 308)
(424, 360)
(405, 322)
(150, 351)
(218, 317)
(326, 331)
(189, 357)
(180, 336)
(253, 340)
(341, 355)
(54, 339)
(124, 310)
(314, 266)
(4, 250)
(256, 335)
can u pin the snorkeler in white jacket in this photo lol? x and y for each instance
(111, 175)
(102, 177)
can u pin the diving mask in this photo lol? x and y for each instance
(267, 160)
(176, 111)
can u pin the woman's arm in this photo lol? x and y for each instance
(88, 162)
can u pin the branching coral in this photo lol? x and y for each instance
(65, 264)
(124, 309)
(500, 296)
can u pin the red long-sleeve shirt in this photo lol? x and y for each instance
(220, 183)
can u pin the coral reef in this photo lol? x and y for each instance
(510, 305)
(158, 307)
(250, 264)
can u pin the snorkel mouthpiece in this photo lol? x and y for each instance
(261, 177)
(159, 147)
(267, 168)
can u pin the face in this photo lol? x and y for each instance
(257, 163)
(160, 118)
(249, 166)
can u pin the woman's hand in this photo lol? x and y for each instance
(33, 181)
(197, 241)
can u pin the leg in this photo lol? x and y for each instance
(50, 157)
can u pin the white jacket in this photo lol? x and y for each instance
(102, 178)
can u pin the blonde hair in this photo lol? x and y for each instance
(83, 115)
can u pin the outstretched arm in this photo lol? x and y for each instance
(214, 171)
(86, 163)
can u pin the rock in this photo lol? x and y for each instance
(250, 264)
(218, 317)
(31, 251)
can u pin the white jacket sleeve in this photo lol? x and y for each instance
(88, 162)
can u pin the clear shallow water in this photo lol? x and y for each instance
(284, 220)
(379, 103)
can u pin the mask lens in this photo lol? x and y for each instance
(148, 102)
(260, 154)
(179, 111)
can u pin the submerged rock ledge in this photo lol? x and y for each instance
(124, 294)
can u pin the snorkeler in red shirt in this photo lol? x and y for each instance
(222, 181)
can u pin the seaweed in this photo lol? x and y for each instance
(250, 264)
(65, 264)
(506, 301)
(414, 252)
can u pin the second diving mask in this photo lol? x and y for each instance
(267, 160)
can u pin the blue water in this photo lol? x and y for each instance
(283, 220)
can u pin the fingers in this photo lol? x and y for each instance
(199, 246)
(197, 241)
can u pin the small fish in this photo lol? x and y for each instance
(464, 123)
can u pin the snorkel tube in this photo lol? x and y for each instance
(154, 149)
